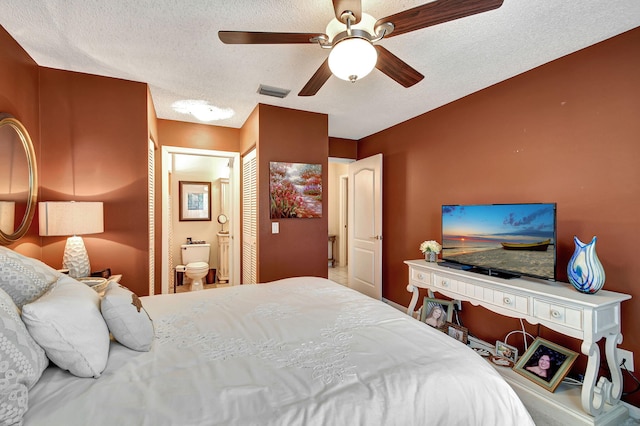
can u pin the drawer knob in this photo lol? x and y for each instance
(420, 276)
(555, 314)
(444, 283)
(507, 300)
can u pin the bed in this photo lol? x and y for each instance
(299, 351)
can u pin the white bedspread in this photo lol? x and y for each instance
(300, 351)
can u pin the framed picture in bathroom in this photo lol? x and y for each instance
(194, 200)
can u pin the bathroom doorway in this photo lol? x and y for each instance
(220, 169)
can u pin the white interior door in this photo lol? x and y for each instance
(365, 226)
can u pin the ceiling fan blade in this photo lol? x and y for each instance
(435, 13)
(317, 80)
(355, 6)
(396, 68)
(247, 37)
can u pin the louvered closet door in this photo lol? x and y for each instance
(249, 218)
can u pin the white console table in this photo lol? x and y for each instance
(558, 306)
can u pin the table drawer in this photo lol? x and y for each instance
(445, 283)
(558, 314)
(420, 276)
(514, 302)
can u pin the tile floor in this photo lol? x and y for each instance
(339, 274)
(187, 287)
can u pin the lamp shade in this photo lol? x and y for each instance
(352, 58)
(7, 216)
(59, 218)
(71, 218)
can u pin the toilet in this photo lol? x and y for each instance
(195, 258)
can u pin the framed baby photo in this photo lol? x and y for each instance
(506, 351)
(436, 312)
(456, 331)
(545, 363)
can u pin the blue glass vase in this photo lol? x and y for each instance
(585, 271)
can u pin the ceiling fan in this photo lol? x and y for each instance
(351, 37)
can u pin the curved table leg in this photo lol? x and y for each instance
(414, 299)
(613, 340)
(595, 395)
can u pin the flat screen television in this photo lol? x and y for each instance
(504, 240)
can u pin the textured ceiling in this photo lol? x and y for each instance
(173, 46)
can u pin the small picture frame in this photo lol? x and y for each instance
(456, 331)
(194, 199)
(506, 351)
(545, 363)
(436, 312)
(501, 361)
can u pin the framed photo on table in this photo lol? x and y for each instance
(194, 200)
(545, 363)
(456, 331)
(436, 312)
(506, 351)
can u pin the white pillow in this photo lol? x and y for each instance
(23, 278)
(67, 323)
(22, 362)
(127, 320)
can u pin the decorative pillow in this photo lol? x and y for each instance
(24, 278)
(22, 362)
(14, 399)
(67, 323)
(126, 318)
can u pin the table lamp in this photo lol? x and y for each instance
(7, 216)
(72, 218)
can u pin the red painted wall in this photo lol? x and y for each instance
(19, 97)
(566, 132)
(198, 136)
(343, 148)
(300, 248)
(95, 135)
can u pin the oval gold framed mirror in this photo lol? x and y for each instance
(18, 180)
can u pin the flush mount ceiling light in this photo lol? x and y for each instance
(202, 110)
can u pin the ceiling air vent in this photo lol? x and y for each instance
(273, 91)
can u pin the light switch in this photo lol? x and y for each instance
(275, 227)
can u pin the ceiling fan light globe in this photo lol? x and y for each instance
(352, 59)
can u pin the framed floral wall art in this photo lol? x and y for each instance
(295, 190)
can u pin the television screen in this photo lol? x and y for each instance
(507, 240)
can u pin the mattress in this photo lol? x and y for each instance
(299, 351)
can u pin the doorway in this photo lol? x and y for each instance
(228, 160)
(337, 218)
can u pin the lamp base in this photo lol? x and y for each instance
(75, 258)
